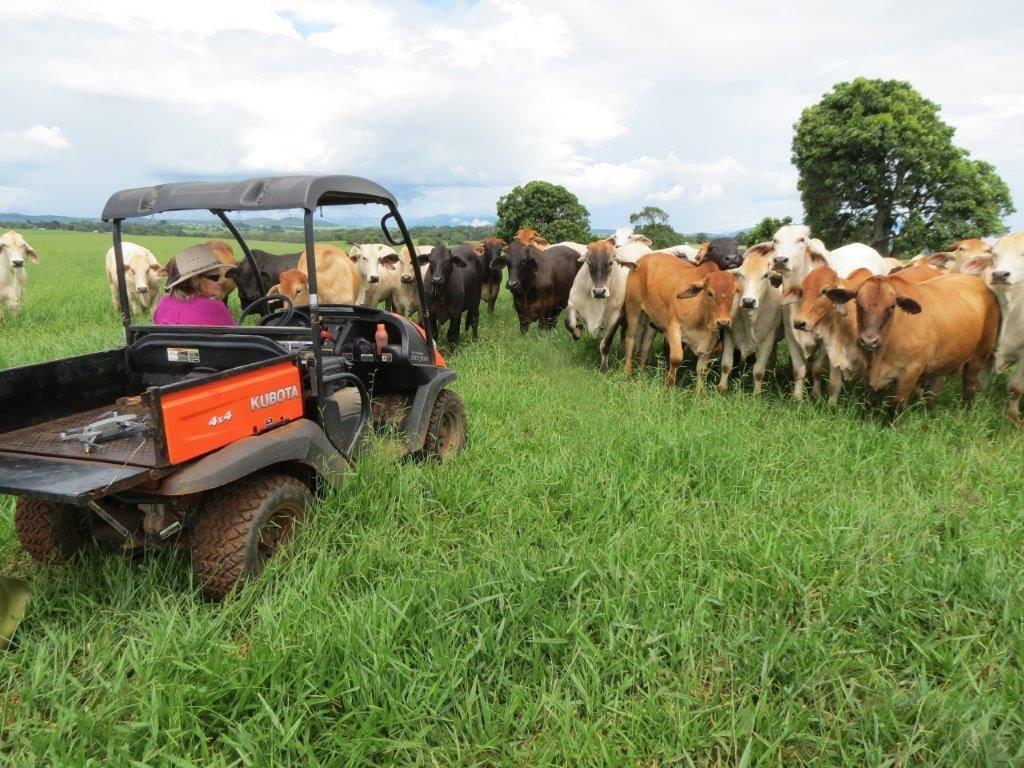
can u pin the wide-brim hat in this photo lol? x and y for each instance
(194, 260)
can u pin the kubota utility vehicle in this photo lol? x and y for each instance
(217, 438)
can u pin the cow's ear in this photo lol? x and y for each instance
(423, 259)
(908, 305)
(976, 265)
(31, 253)
(940, 259)
(839, 295)
(792, 296)
(478, 250)
(275, 290)
(702, 253)
(817, 252)
(775, 279)
(458, 260)
(230, 274)
(162, 272)
(390, 260)
(689, 293)
(355, 252)
(609, 240)
(626, 263)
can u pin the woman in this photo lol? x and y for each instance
(194, 298)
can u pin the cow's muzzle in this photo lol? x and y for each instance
(407, 279)
(780, 263)
(373, 278)
(436, 281)
(869, 343)
(800, 325)
(1000, 278)
(17, 264)
(512, 284)
(725, 322)
(748, 303)
(599, 293)
(142, 288)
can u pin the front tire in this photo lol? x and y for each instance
(241, 526)
(48, 531)
(447, 429)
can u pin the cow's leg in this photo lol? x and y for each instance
(1016, 388)
(606, 342)
(970, 380)
(524, 324)
(818, 366)
(455, 329)
(835, 384)
(571, 323)
(702, 371)
(473, 320)
(113, 298)
(764, 357)
(645, 343)
(727, 348)
(675, 356)
(490, 303)
(629, 338)
(905, 386)
(796, 355)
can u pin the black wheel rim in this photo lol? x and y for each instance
(275, 531)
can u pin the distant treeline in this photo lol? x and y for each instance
(449, 235)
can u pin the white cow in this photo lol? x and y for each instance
(794, 254)
(625, 235)
(688, 252)
(379, 273)
(13, 252)
(142, 273)
(756, 316)
(578, 247)
(1006, 279)
(407, 298)
(599, 289)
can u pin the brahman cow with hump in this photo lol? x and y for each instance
(756, 316)
(453, 289)
(539, 278)
(14, 250)
(1006, 279)
(337, 278)
(691, 304)
(794, 254)
(916, 332)
(142, 274)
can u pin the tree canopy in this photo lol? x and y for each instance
(551, 209)
(763, 231)
(877, 165)
(652, 222)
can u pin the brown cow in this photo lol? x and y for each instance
(337, 278)
(690, 303)
(969, 257)
(493, 246)
(539, 278)
(923, 330)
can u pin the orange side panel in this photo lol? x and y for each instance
(206, 417)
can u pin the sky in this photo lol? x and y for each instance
(449, 104)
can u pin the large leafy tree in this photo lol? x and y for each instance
(652, 221)
(764, 230)
(551, 209)
(878, 165)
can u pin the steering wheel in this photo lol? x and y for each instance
(275, 317)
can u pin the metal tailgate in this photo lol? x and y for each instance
(71, 481)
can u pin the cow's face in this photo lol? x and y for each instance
(794, 249)
(16, 250)
(878, 299)
(719, 291)
(521, 260)
(142, 272)
(295, 285)
(755, 277)
(493, 246)
(723, 251)
(1008, 262)
(245, 279)
(600, 261)
(810, 299)
(372, 259)
(441, 262)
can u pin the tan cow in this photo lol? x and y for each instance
(336, 276)
(915, 332)
(14, 250)
(142, 274)
(968, 257)
(691, 304)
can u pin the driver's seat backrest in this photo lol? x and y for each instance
(165, 358)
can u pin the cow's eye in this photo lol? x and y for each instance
(711, 294)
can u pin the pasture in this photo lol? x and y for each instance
(610, 574)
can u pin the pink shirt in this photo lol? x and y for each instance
(197, 310)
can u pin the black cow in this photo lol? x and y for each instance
(493, 246)
(724, 251)
(270, 265)
(539, 281)
(453, 288)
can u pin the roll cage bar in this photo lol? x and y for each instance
(270, 193)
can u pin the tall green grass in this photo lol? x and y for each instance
(610, 574)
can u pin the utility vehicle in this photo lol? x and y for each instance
(217, 438)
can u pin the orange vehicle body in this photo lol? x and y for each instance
(209, 416)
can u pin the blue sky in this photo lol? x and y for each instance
(688, 106)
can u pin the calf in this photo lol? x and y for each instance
(596, 295)
(493, 246)
(270, 266)
(225, 255)
(13, 252)
(142, 275)
(379, 273)
(724, 251)
(453, 289)
(923, 330)
(756, 316)
(691, 304)
(539, 281)
(1006, 279)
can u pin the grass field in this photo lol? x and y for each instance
(610, 574)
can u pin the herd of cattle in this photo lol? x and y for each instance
(848, 312)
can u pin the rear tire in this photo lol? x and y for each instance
(241, 526)
(447, 429)
(48, 531)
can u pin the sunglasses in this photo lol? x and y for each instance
(213, 278)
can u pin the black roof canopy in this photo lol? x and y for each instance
(262, 194)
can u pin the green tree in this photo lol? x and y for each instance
(764, 230)
(878, 165)
(648, 215)
(551, 209)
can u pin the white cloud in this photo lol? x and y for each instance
(32, 145)
(668, 195)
